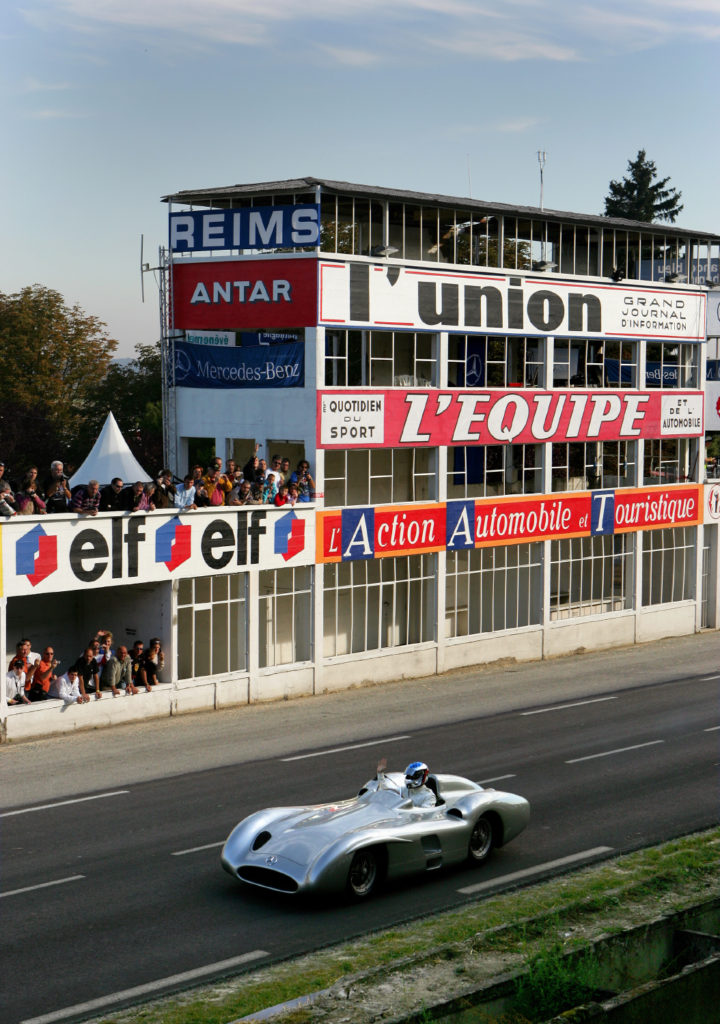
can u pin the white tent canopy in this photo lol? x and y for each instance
(109, 457)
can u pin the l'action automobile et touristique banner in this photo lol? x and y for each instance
(244, 294)
(58, 554)
(365, 294)
(395, 418)
(278, 366)
(346, 535)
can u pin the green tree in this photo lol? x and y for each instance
(51, 357)
(639, 196)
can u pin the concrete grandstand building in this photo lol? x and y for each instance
(503, 410)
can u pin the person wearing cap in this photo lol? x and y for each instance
(15, 683)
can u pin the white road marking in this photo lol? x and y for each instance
(619, 750)
(498, 778)
(339, 750)
(714, 728)
(197, 849)
(141, 990)
(41, 885)
(64, 803)
(468, 890)
(707, 679)
(561, 707)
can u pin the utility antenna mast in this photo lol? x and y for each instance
(542, 157)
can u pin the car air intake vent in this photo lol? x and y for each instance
(267, 878)
(261, 839)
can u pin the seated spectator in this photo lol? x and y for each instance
(67, 688)
(185, 495)
(164, 490)
(15, 683)
(86, 499)
(37, 686)
(112, 497)
(269, 489)
(146, 501)
(7, 501)
(152, 665)
(281, 498)
(88, 673)
(217, 487)
(304, 481)
(57, 492)
(29, 499)
(117, 673)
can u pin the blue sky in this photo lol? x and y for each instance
(109, 104)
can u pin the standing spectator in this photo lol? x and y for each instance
(136, 659)
(285, 470)
(112, 498)
(146, 500)
(185, 495)
(197, 472)
(57, 492)
(117, 673)
(86, 499)
(269, 489)
(29, 658)
(245, 495)
(281, 498)
(88, 673)
(7, 504)
(304, 481)
(216, 486)
(202, 498)
(292, 493)
(276, 468)
(136, 493)
(263, 469)
(38, 686)
(67, 688)
(102, 646)
(29, 498)
(164, 490)
(152, 664)
(15, 683)
(251, 469)
(229, 475)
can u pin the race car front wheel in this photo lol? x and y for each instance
(364, 874)
(482, 840)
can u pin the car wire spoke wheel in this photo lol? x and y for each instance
(363, 874)
(481, 841)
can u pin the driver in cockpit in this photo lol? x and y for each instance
(415, 778)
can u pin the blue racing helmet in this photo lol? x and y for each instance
(416, 774)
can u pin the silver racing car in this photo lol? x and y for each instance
(398, 824)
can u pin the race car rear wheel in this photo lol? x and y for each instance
(482, 840)
(364, 874)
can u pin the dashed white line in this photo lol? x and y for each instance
(562, 707)
(609, 753)
(707, 679)
(197, 849)
(516, 876)
(41, 885)
(141, 990)
(713, 728)
(498, 778)
(340, 750)
(64, 803)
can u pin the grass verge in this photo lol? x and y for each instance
(522, 926)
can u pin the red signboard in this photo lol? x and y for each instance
(356, 533)
(397, 418)
(240, 294)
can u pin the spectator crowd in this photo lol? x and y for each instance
(257, 483)
(35, 677)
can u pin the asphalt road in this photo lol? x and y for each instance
(110, 885)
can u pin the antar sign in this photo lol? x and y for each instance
(463, 417)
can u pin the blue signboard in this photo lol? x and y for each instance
(280, 366)
(253, 227)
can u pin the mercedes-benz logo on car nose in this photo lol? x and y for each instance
(272, 859)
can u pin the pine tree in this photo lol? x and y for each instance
(640, 197)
